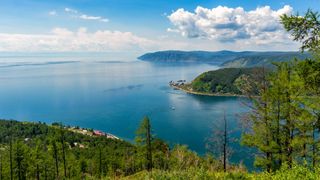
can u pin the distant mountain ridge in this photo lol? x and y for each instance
(223, 58)
(263, 59)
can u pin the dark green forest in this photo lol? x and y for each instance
(225, 59)
(40, 151)
(227, 80)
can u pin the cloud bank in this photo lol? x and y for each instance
(223, 24)
(206, 29)
(64, 40)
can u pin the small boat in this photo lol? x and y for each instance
(173, 108)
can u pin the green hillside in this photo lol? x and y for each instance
(40, 151)
(263, 59)
(224, 58)
(226, 81)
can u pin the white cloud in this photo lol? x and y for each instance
(206, 29)
(52, 13)
(105, 20)
(87, 17)
(81, 40)
(223, 24)
(79, 15)
(69, 10)
(84, 16)
(64, 40)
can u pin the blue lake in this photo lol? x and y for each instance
(113, 96)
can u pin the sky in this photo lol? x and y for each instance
(138, 26)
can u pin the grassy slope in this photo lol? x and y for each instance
(296, 172)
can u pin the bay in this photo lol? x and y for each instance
(114, 95)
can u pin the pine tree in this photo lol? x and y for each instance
(63, 147)
(10, 151)
(20, 160)
(144, 140)
(309, 71)
(55, 155)
(305, 29)
(1, 165)
(284, 119)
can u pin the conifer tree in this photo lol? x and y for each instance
(144, 140)
(55, 155)
(63, 147)
(284, 119)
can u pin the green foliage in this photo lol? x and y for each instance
(264, 59)
(284, 121)
(226, 81)
(38, 152)
(296, 172)
(305, 29)
(226, 59)
(144, 141)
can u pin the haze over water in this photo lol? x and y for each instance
(113, 96)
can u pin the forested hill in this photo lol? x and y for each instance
(189, 56)
(227, 81)
(222, 58)
(263, 59)
(41, 151)
(31, 150)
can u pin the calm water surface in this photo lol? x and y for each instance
(113, 96)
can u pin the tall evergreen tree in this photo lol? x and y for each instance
(10, 150)
(63, 147)
(284, 117)
(55, 152)
(144, 140)
(305, 29)
(1, 165)
(20, 158)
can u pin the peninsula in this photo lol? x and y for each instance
(223, 82)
